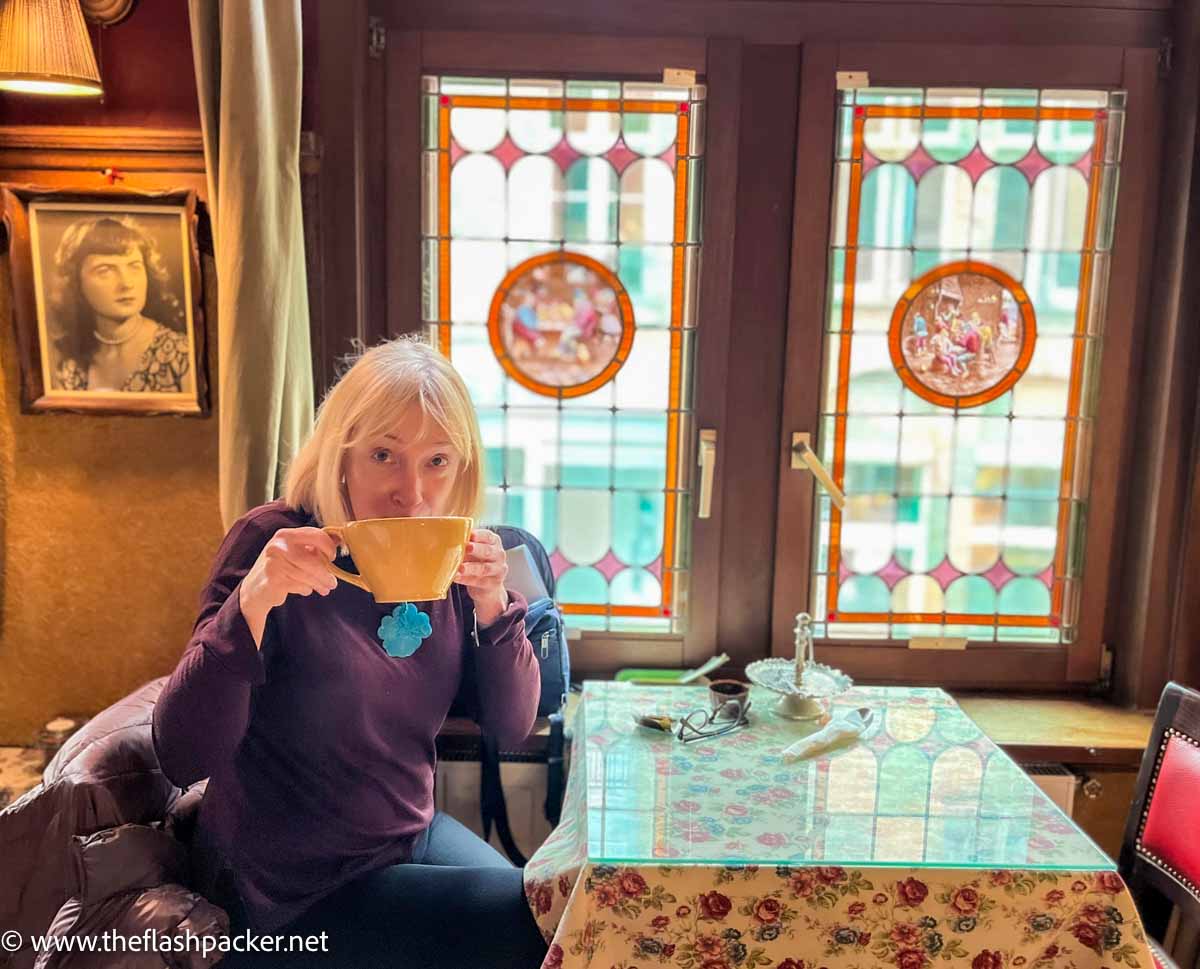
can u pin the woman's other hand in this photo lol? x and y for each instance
(482, 573)
(294, 562)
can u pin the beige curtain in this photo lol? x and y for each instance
(248, 74)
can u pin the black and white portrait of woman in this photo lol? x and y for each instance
(113, 299)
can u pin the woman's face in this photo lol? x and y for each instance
(408, 472)
(114, 286)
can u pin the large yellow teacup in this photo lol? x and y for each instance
(403, 559)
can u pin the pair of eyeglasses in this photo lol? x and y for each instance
(731, 715)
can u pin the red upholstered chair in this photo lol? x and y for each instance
(1160, 855)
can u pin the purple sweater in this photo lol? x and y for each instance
(319, 748)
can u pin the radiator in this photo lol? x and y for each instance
(1058, 783)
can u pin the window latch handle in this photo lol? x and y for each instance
(804, 456)
(707, 459)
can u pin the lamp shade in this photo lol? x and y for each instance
(45, 49)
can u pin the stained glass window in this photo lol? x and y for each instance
(969, 258)
(560, 260)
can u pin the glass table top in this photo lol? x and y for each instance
(923, 787)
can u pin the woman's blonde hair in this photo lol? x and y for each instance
(369, 400)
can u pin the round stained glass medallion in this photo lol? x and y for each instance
(962, 334)
(561, 324)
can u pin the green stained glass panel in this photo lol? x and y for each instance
(535, 131)
(949, 139)
(645, 271)
(888, 207)
(945, 188)
(1001, 210)
(648, 134)
(636, 586)
(582, 584)
(638, 535)
(1065, 142)
(587, 444)
(593, 200)
(864, 593)
(1006, 140)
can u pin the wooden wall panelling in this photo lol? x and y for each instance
(757, 335)
(799, 400)
(724, 62)
(402, 114)
(314, 257)
(375, 193)
(1004, 65)
(497, 52)
(1185, 636)
(1115, 434)
(1138, 23)
(1157, 446)
(339, 119)
(147, 71)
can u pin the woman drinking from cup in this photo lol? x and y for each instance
(316, 734)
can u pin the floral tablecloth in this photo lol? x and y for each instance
(920, 845)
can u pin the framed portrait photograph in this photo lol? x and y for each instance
(107, 300)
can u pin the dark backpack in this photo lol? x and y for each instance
(546, 632)
(543, 624)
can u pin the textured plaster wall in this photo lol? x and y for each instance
(107, 528)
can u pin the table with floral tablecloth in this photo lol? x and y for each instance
(920, 845)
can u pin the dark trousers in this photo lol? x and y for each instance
(459, 904)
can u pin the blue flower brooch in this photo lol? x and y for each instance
(404, 630)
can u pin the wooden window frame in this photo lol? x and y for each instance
(1019, 666)
(412, 54)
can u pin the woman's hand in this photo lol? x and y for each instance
(294, 562)
(482, 573)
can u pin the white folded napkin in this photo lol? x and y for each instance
(842, 728)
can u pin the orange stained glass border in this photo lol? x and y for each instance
(443, 242)
(984, 113)
(1074, 393)
(675, 367)
(590, 609)
(1087, 257)
(510, 365)
(444, 328)
(611, 105)
(1001, 387)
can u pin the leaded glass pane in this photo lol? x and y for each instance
(561, 255)
(960, 366)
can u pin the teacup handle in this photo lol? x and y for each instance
(334, 532)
